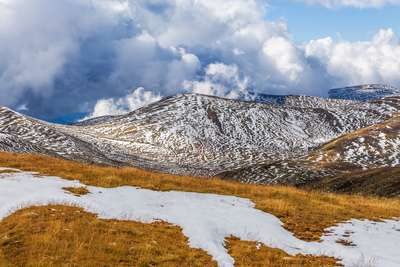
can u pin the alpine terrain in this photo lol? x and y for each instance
(78, 188)
(275, 139)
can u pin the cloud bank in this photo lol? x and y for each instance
(66, 56)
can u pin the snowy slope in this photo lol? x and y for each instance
(355, 154)
(364, 92)
(204, 135)
(371, 147)
(206, 219)
(19, 133)
(197, 134)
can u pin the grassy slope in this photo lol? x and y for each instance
(304, 213)
(379, 182)
(383, 181)
(338, 175)
(67, 236)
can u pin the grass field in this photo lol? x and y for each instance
(69, 235)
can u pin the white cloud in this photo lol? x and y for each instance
(135, 100)
(353, 3)
(142, 61)
(285, 57)
(377, 60)
(37, 40)
(219, 80)
(232, 33)
(64, 62)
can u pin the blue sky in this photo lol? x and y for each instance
(308, 22)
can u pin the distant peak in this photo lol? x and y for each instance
(364, 92)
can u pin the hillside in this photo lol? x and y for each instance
(364, 161)
(20, 133)
(307, 214)
(196, 134)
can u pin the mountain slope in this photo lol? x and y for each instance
(196, 134)
(203, 135)
(363, 161)
(19, 133)
(371, 147)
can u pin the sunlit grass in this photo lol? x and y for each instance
(304, 213)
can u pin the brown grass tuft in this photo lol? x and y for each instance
(252, 254)
(77, 191)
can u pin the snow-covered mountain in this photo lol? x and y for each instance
(364, 92)
(197, 134)
(374, 146)
(20, 133)
(367, 159)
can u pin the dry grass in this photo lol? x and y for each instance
(66, 236)
(70, 237)
(252, 254)
(77, 191)
(304, 213)
(351, 177)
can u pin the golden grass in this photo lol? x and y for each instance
(67, 236)
(304, 213)
(252, 254)
(77, 191)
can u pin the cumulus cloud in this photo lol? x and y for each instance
(353, 3)
(353, 63)
(117, 106)
(142, 61)
(68, 56)
(219, 80)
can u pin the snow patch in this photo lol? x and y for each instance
(206, 219)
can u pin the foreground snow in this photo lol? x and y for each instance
(206, 219)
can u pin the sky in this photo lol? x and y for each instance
(307, 22)
(64, 59)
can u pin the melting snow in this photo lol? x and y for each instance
(206, 219)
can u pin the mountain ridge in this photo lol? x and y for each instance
(201, 135)
(364, 92)
(211, 117)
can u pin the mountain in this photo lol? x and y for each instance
(364, 161)
(197, 134)
(371, 147)
(20, 133)
(364, 92)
